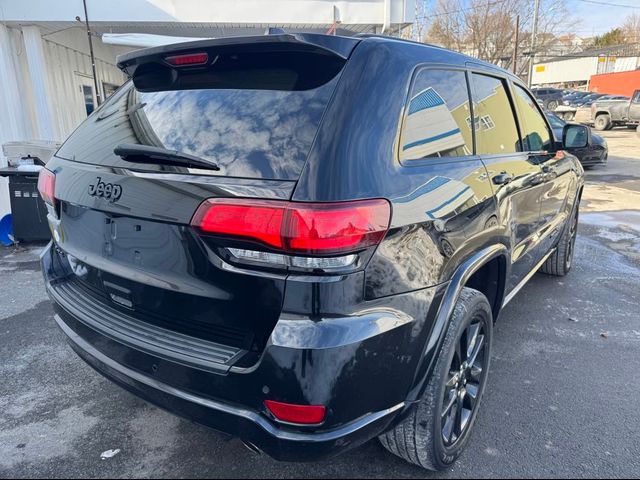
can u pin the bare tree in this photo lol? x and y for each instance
(486, 28)
(421, 23)
(631, 28)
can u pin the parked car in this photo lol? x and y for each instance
(572, 98)
(243, 238)
(596, 152)
(588, 100)
(606, 114)
(552, 97)
(614, 97)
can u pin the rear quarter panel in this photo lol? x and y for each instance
(443, 209)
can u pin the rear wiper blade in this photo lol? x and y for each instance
(131, 152)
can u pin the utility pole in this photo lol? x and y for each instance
(515, 46)
(534, 34)
(93, 58)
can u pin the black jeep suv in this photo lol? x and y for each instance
(305, 240)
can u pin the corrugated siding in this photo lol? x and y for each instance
(26, 115)
(572, 70)
(625, 64)
(66, 66)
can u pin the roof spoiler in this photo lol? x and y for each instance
(330, 45)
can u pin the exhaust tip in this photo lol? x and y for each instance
(250, 446)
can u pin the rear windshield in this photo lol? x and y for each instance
(250, 133)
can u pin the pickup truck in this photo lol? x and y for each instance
(606, 114)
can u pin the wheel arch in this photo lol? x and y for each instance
(490, 280)
(492, 260)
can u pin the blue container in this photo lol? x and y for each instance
(6, 230)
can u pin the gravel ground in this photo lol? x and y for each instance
(561, 401)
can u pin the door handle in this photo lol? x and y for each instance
(501, 178)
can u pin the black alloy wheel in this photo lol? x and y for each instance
(437, 430)
(573, 233)
(466, 377)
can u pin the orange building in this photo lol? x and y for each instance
(619, 83)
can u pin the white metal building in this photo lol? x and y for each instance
(46, 81)
(577, 68)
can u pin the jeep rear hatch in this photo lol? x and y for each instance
(216, 119)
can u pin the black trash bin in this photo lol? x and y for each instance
(28, 211)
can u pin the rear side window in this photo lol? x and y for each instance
(496, 131)
(437, 120)
(535, 133)
(248, 132)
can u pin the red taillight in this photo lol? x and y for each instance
(256, 220)
(302, 414)
(307, 228)
(187, 59)
(47, 186)
(340, 227)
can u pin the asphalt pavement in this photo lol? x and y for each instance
(562, 399)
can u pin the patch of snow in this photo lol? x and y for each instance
(109, 454)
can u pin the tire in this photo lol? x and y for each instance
(552, 105)
(420, 438)
(560, 262)
(602, 122)
(568, 116)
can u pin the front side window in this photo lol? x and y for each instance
(535, 133)
(496, 131)
(437, 123)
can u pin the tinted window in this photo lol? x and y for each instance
(535, 133)
(555, 121)
(496, 130)
(437, 119)
(247, 132)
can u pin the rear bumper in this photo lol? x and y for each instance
(302, 364)
(250, 426)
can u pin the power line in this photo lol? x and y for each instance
(498, 2)
(608, 4)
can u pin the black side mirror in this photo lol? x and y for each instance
(576, 136)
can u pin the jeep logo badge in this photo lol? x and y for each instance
(109, 191)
